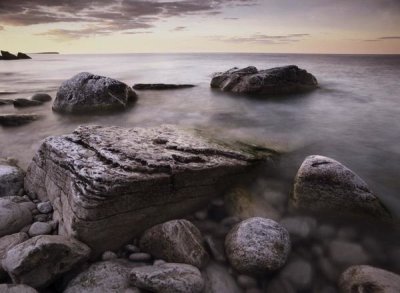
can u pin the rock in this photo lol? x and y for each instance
(23, 56)
(325, 231)
(109, 255)
(280, 80)
(369, 279)
(216, 248)
(6, 243)
(16, 288)
(161, 86)
(105, 276)
(23, 103)
(246, 282)
(4, 102)
(218, 280)
(300, 227)
(345, 253)
(100, 177)
(347, 233)
(140, 257)
(168, 278)
(299, 273)
(40, 97)
(17, 119)
(8, 56)
(242, 204)
(40, 218)
(11, 178)
(132, 248)
(176, 241)
(257, 246)
(86, 92)
(13, 217)
(279, 285)
(40, 260)
(45, 207)
(39, 228)
(325, 185)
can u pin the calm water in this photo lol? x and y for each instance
(354, 117)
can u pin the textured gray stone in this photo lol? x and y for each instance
(257, 246)
(39, 228)
(13, 217)
(40, 260)
(325, 185)
(11, 178)
(109, 184)
(177, 241)
(45, 207)
(168, 278)
(279, 80)
(218, 280)
(6, 243)
(86, 92)
(369, 279)
(16, 288)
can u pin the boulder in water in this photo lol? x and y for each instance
(23, 103)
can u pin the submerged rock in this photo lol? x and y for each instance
(23, 103)
(86, 92)
(168, 278)
(279, 80)
(325, 185)
(17, 119)
(176, 241)
(11, 178)
(109, 184)
(40, 260)
(161, 86)
(369, 279)
(13, 217)
(257, 246)
(40, 97)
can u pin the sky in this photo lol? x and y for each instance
(147, 26)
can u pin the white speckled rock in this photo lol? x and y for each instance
(41, 259)
(108, 184)
(13, 217)
(325, 185)
(176, 241)
(168, 278)
(86, 92)
(16, 288)
(257, 246)
(369, 279)
(11, 179)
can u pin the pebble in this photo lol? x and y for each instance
(326, 232)
(132, 248)
(40, 218)
(347, 233)
(159, 262)
(201, 215)
(246, 282)
(347, 253)
(300, 273)
(108, 255)
(45, 207)
(140, 257)
(39, 228)
(41, 97)
(300, 227)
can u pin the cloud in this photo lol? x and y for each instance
(263, 39)
(383, 39)
(179, 28)
(231, 18)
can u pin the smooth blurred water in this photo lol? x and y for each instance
(354, 117)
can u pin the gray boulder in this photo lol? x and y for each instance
(39, 228)
(41, 97)
(38, 261)
(13, 217)
(11, 178)
(109, 184)
(280, 80)
(176, 241)
(218, 280)
(257, 246)
(168, 278)
(369, 279)
(16, 288)
(105, 276)
(325, 185)
(86, 92)
(9, 120)
(6, 243)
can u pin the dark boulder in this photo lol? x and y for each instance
(8, 56)
(23, 103)
(23, 56)
(17, 119)
(40, 97)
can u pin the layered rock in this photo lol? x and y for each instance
(11, 178)
(108, 184)
(86, 92)
(161, 86)
(40, 260)
(325, 185)
(279, 80)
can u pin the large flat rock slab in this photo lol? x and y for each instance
(108, 184)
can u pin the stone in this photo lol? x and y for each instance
(105, 276)
(39, 228)
(300, 227)
(140, 257)
(246, 282)
(177, 241)
(86, 92)
(41, 97)
(4, 102)
(16, 288)
(8, 56)
(13, 217)
(132, 248)
(242, 204)
(257, 246)
(325, 231)
(8, 120)
(38, 261)
(299, 273)
(168, 278)
(218, 280)
(100, 180)
(108, 255)
(216, 248)
(161, 86)
(279, 285)
(11, 178)
(45, 207)
(369, 279)
(23, 56)
(6, 243)
(280, 80)
(346, 253)
(325, 185)
(23, 103)
(40, 218)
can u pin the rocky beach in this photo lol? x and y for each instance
(166, 205)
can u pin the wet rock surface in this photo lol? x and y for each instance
(280, 80)
(86, 92)
(17, 119)
(99, 177)
(161, 86)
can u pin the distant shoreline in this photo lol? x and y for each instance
(47, 53)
